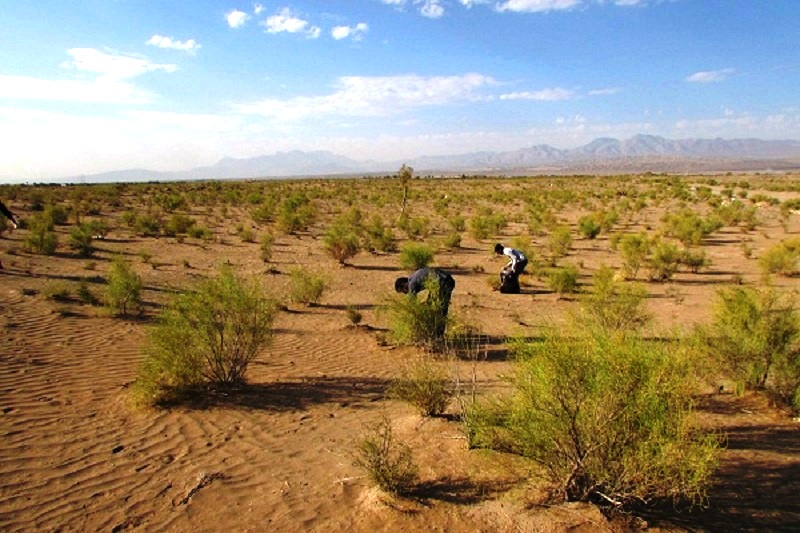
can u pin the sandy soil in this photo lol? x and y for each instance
(278, 455)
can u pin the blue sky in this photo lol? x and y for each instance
(88, 86)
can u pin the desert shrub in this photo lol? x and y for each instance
(388, 463)
(170, 202)
(296, 213)
(80, 240)
(305, 286)
(634, 249)
(563, 280)
(663, 261)
(379, 238)
(781, 258)
(85, 294)
(425, 386)
(754, 337)
(607, 416)
(588, 226)
(199, 232)
(59, 291)
(486, 224)
(205, 336)
(147, 225)
(689, 227)
(57, 213)
(265, 247)
(414, 255)
(559, 241)
(41, 238)
(694, 259)
(452, 241)
(614, 304)
(415, 227)
(123, 293)
(353, 315)
(342, 240)
(264, 213)
(247, 234)
(457, 223)
(417, 320)
(178, 224)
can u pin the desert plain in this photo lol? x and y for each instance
(76, 454)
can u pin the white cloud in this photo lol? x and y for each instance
(258, 9)
(356, 32)
(112, 71)
(546, 95)
(710, 76)
(113, 65)
(285, 21)
(536, 6)
(102, 90)
(374, 96)
(161, 41)
(236, 18)
(432, 9)
(605, 91)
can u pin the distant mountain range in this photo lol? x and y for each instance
(639, 153)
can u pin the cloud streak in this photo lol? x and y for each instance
(359, 96)
(190, 46)
(710, 76)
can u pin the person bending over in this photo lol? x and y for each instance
(418, 282)
(10, 216)
(509, 276)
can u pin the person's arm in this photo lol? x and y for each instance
(510, 253)
(9, 215)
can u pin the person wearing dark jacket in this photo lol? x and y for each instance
(419, 280)
(10, 216)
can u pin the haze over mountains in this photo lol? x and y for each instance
(639, 153)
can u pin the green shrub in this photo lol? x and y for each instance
(265, 247)
(589, 226)
(781, 258)
(306, 287)
(388, 463)
(689, 227)
(147, 225)
(379, 237)
(425, 386)
(414, 256)
(486, 224)
(206, 336)
(615, 305)
(563, 280)
(296, 213)
(41, 238)
(694, 260)
(634, 249)
(452, 241)
(663, 261)
(124, 288)
(607, 416)
(559, 242)
(754, 336)
(417, 320)
(341, 241)
(178, 225)
(80, 240)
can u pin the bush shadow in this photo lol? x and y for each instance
(296, 395)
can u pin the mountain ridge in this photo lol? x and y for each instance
(639, 151)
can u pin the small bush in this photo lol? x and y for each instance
(559, 242)
(124, 288)
(754, 337)
(388, 463)
(206, 336)
(41, 238)
(563, 280)
(341, 242)
(306, 287)
(781, 259)
(615, 305)
(265, 247)
(425, 386)
(634, 249)
(417, 320)
(589, 226)
(414, 256)
(607, 415)
(80, 240)
(379, 238)
(663, 261)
